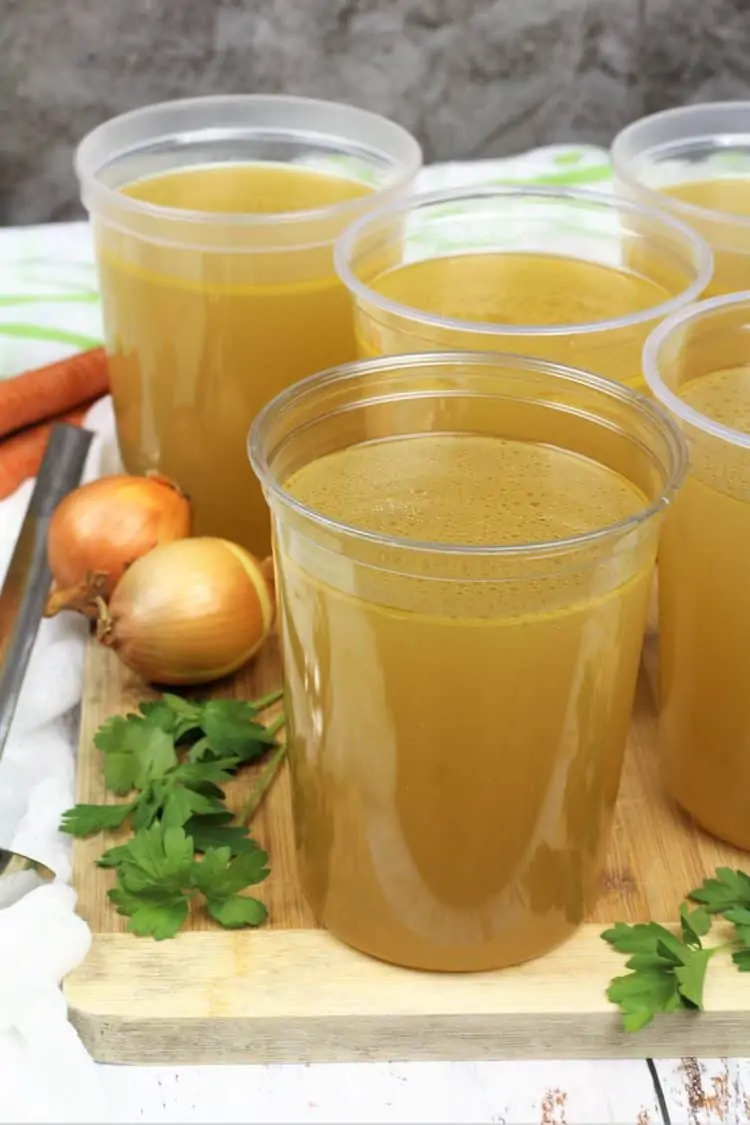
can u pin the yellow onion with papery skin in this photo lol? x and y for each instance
(100, 528)
(189, 612)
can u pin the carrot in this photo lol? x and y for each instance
(52, 390)
(21, 454)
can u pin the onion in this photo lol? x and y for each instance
(99, 529)
(188, 612)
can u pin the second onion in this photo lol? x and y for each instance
(189, 612)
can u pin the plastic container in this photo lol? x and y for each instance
(217, 277)
(694, 162)
(458, 705)
(698, 365)
(569, 276)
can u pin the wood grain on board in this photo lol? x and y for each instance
(291, 992)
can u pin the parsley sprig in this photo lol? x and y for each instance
(171, 760)
(729, 895)
(158, 876)
(668, 969)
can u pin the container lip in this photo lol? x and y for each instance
(88, 176)
(662, 392)
(352, 371)
(621, 165)
(346, 242)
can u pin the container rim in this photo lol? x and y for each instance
(88, 176)
(662, 392)
(351, 372)
(346, 242)
(622, 165)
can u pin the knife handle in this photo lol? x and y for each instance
(27, 582)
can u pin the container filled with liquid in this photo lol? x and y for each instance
(215, 220)
(698, 366)
(569, 276)
(694, 162)
(464, 547)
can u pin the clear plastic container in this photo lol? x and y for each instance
(215, 220)
(694, 162)
(698, 366)
(569, 276)
(458, 700)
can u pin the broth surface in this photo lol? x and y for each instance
(519, 289)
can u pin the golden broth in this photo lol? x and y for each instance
(705, 619)
(199, 339)
(729, 241)
(455, 744)
(516, 289)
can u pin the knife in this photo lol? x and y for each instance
(27, 582)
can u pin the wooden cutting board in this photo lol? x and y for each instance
(290, 992)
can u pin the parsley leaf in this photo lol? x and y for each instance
(177, 716)
(217, 831)
(695, 924)
(198, 774)
(740, 919)
(667, 972)
(149, 804)
(157, 876)
(643, 937)
(182, 802)
(741, 958)
(153, 875)
(691, 976)
(84, 820)
(728, 891)
(158, 859)
(728, 894)
(151, 916)
(158, 920)
(112, 856)
(236, 911)
(641, 994)
(135, 751)
(231, 732)
(219, 876)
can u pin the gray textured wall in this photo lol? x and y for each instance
(469, 77)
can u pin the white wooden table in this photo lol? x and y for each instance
(680, 1092)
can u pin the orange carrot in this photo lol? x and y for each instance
(21, 454)
(52, 390)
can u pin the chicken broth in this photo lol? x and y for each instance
(455, 744)
(200, 339)
(731, 249)
(705, 620)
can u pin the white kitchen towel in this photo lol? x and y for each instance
(49, 308)
(45, 1073)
